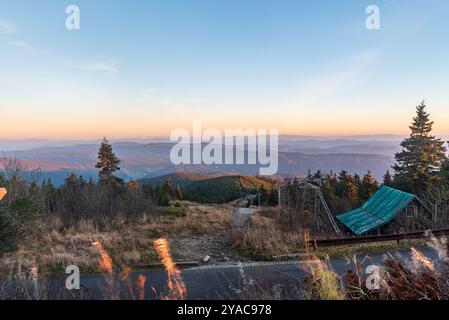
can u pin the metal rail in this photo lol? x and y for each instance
(381, 238)
(328, 212)
(326, 207)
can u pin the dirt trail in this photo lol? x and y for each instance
(215, 245)
(195, 248)
(241, 215)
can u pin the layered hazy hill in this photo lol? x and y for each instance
(146, 159)
(227, 188)
(216, 189)
(183, 179)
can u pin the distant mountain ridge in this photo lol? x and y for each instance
(149, 160)
(183, 179)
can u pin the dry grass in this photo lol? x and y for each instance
(265, 235)
(369, 248)
(263, 238)
(419, 278)
(128, 241)
(203, 220)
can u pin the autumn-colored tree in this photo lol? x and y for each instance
(108, 163)
(368, 186)
(178, 192)
(168, 188)
(347, 186)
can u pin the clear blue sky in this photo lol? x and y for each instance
(141, 68)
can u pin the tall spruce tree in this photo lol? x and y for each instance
(168, 188)
(178, 192)
(71, 181)
(347, 186)
(368, 187)
(388, 179)
(422, 155)
(108, 163)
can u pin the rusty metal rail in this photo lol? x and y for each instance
(376, 238)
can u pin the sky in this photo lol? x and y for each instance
(144, 68)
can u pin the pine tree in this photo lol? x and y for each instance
(168, 188)
(49, 195)
(71, 180)
(368, 187)
(161, 196)
(422, 155)
(81, 181)
(388, 179)
(148, 190)
(330, 185)
(108, 163)
(178, 191)
(358, 181)
(347, 187)
(49, 183)
(91, 182)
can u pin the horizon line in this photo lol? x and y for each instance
(167, 137)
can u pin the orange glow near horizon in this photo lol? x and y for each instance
(87, 132)
(132, 125)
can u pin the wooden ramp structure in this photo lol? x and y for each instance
(306, 194)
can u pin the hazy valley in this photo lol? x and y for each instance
(150, 158)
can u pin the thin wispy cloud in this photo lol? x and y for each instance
(7, 27)
(20, 44)
(102, 67)
(109, 67)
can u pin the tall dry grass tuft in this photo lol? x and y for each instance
(141, 285)
(441, 247)
(175, 283)
(421, 259)
(324, 283)
(105, 263)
